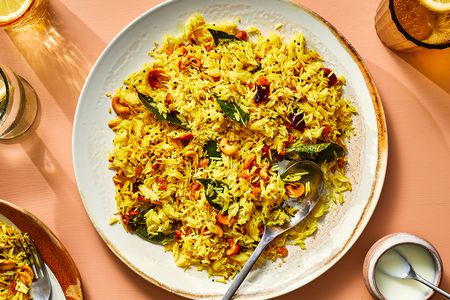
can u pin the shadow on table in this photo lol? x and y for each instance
(54, 55)
(434, 64)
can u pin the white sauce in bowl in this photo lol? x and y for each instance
(391, 263)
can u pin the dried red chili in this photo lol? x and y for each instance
(297, 121)
(327, 129)
(154, 77)
(262, 90)
(233, 248)
(266, 151)
(332, 79)
(242, 35)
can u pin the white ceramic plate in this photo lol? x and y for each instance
(92, 140)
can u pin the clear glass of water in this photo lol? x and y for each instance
(18, 104)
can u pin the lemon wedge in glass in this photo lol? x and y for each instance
(11, 10)
(2, 91)
(440, 6)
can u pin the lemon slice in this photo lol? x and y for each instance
(11, 10)
(2, 91)
(437, 5)
(4, 94)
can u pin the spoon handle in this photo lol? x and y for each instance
(431, 286)
(265, 240)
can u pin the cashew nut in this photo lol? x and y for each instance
(204, 162)
(224, 220)
(233, 248)
(264, 172)
(190, 153)
(113, 123)
(194, 155)
(256, 191)
(218, 231)
(27, 269)
(25, 278)
(226, 148)
(245, 174)
(249, 160)
(119, 180)
(118, 107)
(295, 192)
(7, 265)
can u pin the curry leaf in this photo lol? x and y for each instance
(220, 35)
(149, 104)
(138, 224)
(233, 111)
(161, 238)
(212, 190)
(212, 149)
(317, 152)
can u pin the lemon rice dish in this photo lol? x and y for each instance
(16, 274)
(198, 130)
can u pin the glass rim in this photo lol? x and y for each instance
(410, 37)
(4, 103)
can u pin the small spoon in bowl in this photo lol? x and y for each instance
(312, 173)
(402, 269)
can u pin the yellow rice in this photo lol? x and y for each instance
(152, 164)
(16, 275)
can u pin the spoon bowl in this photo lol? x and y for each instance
(312, 174)
(408, 272)
(373, 261)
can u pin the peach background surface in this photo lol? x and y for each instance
(36, 170)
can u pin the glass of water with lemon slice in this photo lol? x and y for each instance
(18, 104)
(17, 14)
(412, 25)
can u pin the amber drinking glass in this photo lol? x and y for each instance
(19, 14)
(411, 25)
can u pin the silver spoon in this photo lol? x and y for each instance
(314, 175)
(408, 272)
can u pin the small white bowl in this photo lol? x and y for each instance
(388, 242)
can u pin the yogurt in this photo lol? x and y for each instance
(393, 264)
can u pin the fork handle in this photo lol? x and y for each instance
(265, 240)
(431, 286)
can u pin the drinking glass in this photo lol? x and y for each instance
(18, 14)
(408, 25)
(18, 104)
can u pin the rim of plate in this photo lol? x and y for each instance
(62, 265)
(376, 185)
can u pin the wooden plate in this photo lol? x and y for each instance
(52, 250)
